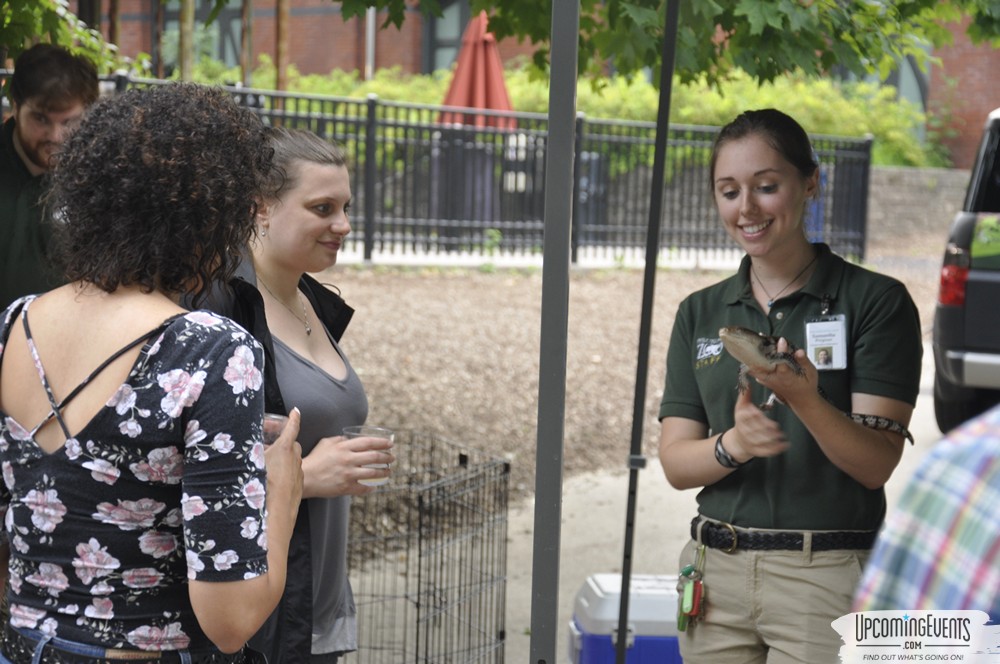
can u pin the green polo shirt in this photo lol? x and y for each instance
(801, 488)
(24, 238)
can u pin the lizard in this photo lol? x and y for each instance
(756, 350)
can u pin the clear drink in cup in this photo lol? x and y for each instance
(367, 431)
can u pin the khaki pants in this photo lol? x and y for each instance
(771, 606)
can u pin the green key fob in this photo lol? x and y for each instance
(687, 601)
(683, 583)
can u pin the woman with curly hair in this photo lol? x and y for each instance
(134, 472)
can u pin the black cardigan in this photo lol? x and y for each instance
(286, 636)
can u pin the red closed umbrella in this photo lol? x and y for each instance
(478, 80)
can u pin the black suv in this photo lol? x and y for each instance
(967, 316)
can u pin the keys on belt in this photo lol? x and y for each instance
(691, 591)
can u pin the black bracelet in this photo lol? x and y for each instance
(724, 458)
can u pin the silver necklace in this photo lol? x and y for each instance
(305, 317)
(772, 298)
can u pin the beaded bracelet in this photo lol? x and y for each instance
(884, 423)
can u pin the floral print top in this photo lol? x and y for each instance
(165, 484)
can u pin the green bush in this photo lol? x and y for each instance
(823, 106)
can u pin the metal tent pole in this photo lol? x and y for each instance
(554, 328)
(636, 460)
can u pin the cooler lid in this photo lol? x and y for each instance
(652, 604)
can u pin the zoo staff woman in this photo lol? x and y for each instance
(791, 497)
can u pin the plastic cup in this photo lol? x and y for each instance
(366, 431)
(274, 424)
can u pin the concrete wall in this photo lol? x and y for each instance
(909, 202)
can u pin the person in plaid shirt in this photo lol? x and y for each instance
(940, 547)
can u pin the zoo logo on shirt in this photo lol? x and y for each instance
(709, 351)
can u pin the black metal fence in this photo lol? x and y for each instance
(427, 557)
(423, 186)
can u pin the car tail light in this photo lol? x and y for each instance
(954, 276)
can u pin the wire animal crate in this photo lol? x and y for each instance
(427, 557)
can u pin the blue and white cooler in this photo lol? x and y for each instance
(652, 620)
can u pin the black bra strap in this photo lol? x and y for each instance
(57, 407)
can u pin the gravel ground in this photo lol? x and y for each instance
(455, 351)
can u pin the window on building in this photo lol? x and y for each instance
(218, 41)
(443, 35)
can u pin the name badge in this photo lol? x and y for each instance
(826, 342)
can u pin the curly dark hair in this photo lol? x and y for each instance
(158, 188)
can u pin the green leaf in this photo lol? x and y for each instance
(760, 14)
(217, 7)
(798, 17)
(643, 16)
(23, 22)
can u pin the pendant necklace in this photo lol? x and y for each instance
(772, 298)
(305, 317)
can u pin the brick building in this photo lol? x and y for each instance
(962, 84)
(321, 40)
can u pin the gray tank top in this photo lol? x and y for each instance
(327, 406)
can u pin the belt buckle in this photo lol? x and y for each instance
(732, 530)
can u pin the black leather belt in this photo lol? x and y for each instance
(717, 535)
(19, 650)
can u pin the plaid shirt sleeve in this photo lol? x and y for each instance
(940, 548)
